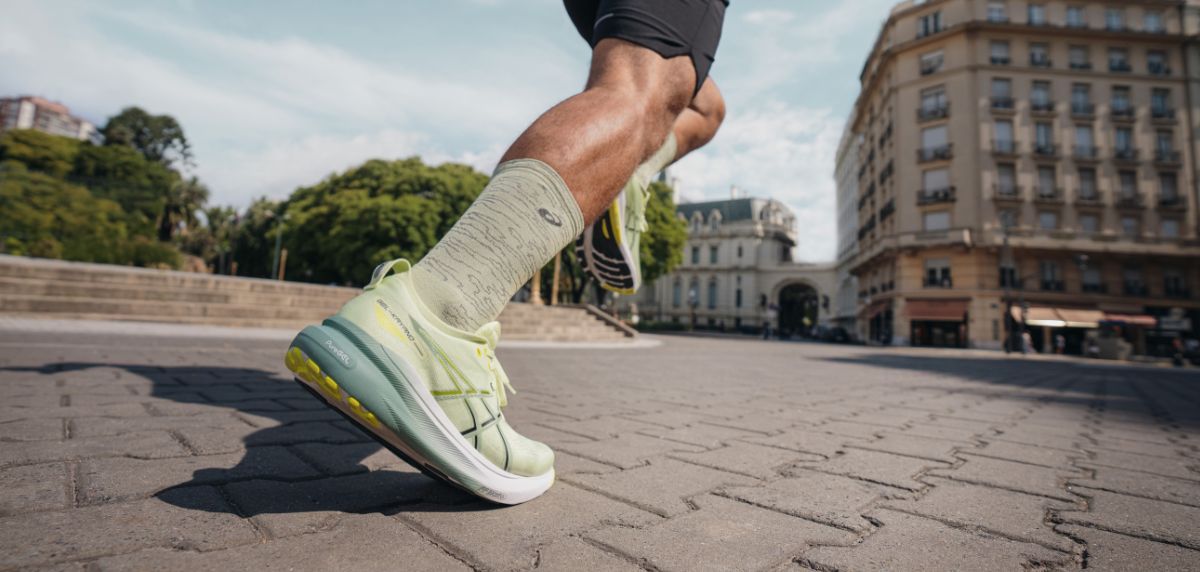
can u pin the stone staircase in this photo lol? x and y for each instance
(31, 287)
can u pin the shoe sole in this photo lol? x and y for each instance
(614, 217)
(354, 375)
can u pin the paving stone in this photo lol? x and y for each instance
(883, 468)
(662, 487)
(118, 478)
(200, 521)
(626, 451)
(34, 487)
(1180, 467)
(39, 429)
(1164, 449)
(368, 542)
(805, 440)
(673, 418)
(156, 445)
(573, 555)
(851, 429)
(605, 427)
(348, 458)
(1108, 552)
(702, 539)
(700, 434)
(1142, 484)
(1135, 516)
(1044, 456)
(103, 426)
(234, 439)
(758, 461)
(119, 410)
(944, 432)
(276, 419)
(827, 499)
(1011, 475)
(914, 446)
(942, 547)
(489, 538)
(982, 509)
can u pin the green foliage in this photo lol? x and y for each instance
(123, 175)
(251, 240)
(159, 138)
(49, 154)
(339, 229)
(662, 244)
(184, 201)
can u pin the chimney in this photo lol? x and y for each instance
(734, 191)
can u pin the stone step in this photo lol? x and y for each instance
(104, 291)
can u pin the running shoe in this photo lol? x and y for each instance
(430, 393)
(608, 249)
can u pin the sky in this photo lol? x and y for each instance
(274, 95)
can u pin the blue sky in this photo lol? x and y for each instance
(275, 95)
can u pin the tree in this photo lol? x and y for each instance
(41, 152)
(123, 175)
(251, 243)
(159, 138)
(663, 242)
(186, 199)
(375, 212)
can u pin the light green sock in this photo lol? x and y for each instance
(522, 218)
(659, 160)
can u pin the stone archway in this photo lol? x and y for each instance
(799, 304)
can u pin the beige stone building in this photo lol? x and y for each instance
(1064, 129)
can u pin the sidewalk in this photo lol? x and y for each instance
(181, 452)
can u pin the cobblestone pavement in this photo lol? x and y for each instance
(171, 453)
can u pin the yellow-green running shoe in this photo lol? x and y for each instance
(430, 393)
(609, 249)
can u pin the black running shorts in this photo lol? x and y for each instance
(669, 27)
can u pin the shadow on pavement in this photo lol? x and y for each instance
(321, 470)
(1149, 394)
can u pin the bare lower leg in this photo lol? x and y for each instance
(596, 139)
(698, 124)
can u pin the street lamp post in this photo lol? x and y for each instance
(278, 243)
(693, 302)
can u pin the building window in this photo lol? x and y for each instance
(1128, 184)
(1081, 99)
(1084, 147)
(1079, 58)
(1039, 55)
(937, 273)
(996, 12)
(1129, 226)
(1004, 137)
(929, 24)
(1120, 101)
(1092, 281)
(1037, 14)
(1088, 223)
(1164, 144)
(1087, 184)
(1039, 96)
(937, 220)
(1006, 179)
(1076, 17)
(677, 293)
(1048, 220)
(1114, 19)
(1043, 137)
(933, 141)
(1152, 21)
(1047, 178)
(739, 251)
(935, 180)
(1000, 53)
(1160, 103)
(1123, 145)
(695, 255)
(1169, 228)
(714, 223)
(933, 103)
(1134, 285)
(1051, 276)
(1008, 276)
(931, 62)
(1118, 60)
(1156, 62)
(1174, 285)
(1008, 218)
(1168, 190)
(712, 255)
(712, 294)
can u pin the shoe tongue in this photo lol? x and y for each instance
(490, 332)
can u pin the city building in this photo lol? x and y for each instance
(28, 112)
(736, 264)
(845, 301)
(1028, 167)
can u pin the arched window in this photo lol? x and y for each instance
(677, 293)
(712, 294)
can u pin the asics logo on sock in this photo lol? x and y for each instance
(338, 353)
(549, 217)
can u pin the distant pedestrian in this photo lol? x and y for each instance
(1177, 352)
(769, 323)
(1060, 344)
(1026, 342)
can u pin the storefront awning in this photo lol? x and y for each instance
(1051, 317)
(1080, 318)
(1142, 320)
(938, 310)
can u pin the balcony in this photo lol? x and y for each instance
(1120, 67)
(1162, 114)
(930, 113)
(1158, 68)
(1039, 60)
(1079, 109)
(1177, 293)
(1001, 60)
(1136, 289)
(1171, 202)
(1123, 113)
(1094, 288)
(1052, 285)
(938, 153)
(1045, 149)
(1004, 147)
(1125, 155)
(1080, 65)
(1129, 201)
(943, 282)
(1041, 107)
(935, 196)
(1047, 194)
(1003, 103)
(1006, 193)
(1090, 197)
(1084, 152)
(888, 209)
(930, 68)
(1166, 157)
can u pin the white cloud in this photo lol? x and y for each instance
(774, 151)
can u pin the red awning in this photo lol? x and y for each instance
(938, 310)
(1142, 320)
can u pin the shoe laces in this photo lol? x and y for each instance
(501, 385)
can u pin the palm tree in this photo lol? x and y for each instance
(186, 199)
